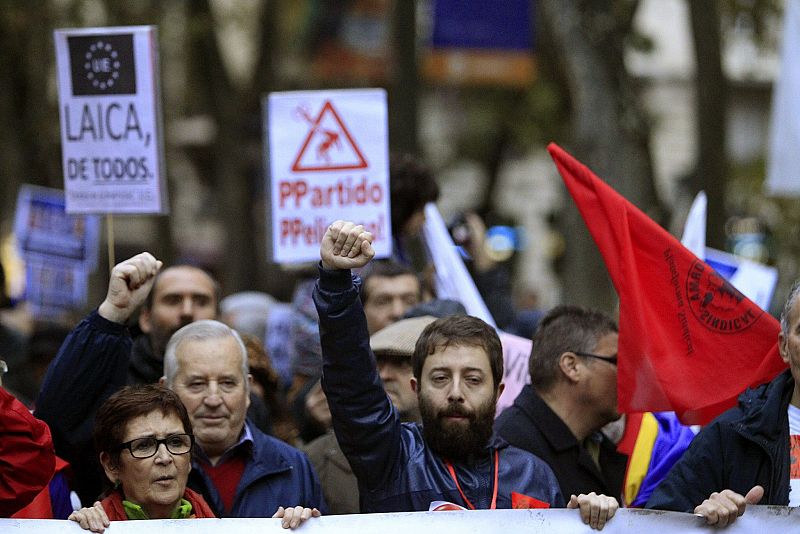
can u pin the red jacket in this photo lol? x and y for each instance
(115, 511)
(27, 458)
(43, 505)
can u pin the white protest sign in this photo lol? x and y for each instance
(109, 104)
(326, 159)
(756, 519)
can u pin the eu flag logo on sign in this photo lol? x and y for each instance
(102, 64)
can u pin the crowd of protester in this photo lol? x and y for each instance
(364, 394)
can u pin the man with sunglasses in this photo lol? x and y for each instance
(572, 395)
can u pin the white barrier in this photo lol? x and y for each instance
(757, 519)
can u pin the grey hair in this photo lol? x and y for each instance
(788, 306)
(201, 331)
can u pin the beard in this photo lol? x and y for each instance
(454, 440)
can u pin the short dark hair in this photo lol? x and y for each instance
(455, 331)
(128, 403)
(387, 269)
(412, 186)
(148, 303)
(564, 329)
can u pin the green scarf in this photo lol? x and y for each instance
(134, 511)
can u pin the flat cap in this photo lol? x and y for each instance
(399, 339)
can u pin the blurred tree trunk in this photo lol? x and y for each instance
(711, 105)
(236, 113)
(609, 131)
(29, 141)
(406, 77)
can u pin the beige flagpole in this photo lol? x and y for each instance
(110, 235)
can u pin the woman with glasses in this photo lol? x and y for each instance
(144, 439)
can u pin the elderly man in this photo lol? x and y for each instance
(749, 454)
(240, 471)
(572, 395)
(458, 366)
(92, 364)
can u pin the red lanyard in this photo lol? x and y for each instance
(494, 492)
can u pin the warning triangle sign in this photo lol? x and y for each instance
(328, 145)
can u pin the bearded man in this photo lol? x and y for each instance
(458, 366)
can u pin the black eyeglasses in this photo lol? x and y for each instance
(612, 360)
(147, 447)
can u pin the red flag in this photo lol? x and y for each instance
(689, 341)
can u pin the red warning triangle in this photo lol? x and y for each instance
(328, 145)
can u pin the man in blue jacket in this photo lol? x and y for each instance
(240, 471)
(454, 456)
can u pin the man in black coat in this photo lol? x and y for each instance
(572, 395)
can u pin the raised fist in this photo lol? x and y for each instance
(346, 245)
(130, 283)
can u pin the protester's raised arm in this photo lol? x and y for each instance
(366, 424)
(90, 366)
(128, 287)
(346, 245)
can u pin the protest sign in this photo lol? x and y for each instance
(516, 354)
(326, 159)
(109, 104)
(53, 287)
(59, 249)
(44, 229)
(552, 521)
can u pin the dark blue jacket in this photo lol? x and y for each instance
(396, 470)
(275, 475)
(91, 365)
(746, 446)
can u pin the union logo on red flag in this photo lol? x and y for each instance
(329, 146)
(716, 303)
